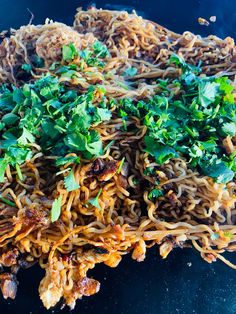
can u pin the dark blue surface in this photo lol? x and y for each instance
(155, 286)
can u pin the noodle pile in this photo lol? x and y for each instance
(190, 212)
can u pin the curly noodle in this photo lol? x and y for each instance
(193, 207)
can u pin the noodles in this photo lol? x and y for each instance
(121, 200)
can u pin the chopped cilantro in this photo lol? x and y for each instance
(60, 120)
(69, 52)
(218, 170)
(155, 193)
(27, 67)
(148, 171)
(108, 145)
(130, 72)
(94, 201)
(207, 92)
(3, 166)
(228, 234)
(64, 160)
(19, 173)
(160, 152)
(94, 55)
(229, 128)
(26, 137)
(9, 119)
(6, 201)
(100, 50)
(70, 182)
(121, 165)
(192, 124)
(56, 209)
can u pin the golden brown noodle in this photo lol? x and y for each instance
(193, 207)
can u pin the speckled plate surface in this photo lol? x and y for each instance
(183, 283)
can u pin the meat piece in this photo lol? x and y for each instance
(9, 258)
(113, 260)
(203, 21)
(24, 264)
(8, 285)
(50, 289)
(104, 170)
(87, 286)
(208, 257)
(139, 251)
(35, 216)
(97, 166)
(166, 248)
(108, 171)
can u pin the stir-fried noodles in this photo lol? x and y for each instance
(116, 134)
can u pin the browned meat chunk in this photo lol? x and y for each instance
(8, 285)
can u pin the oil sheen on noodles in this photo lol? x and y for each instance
(194, 210)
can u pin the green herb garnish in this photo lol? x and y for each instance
(192, 124)
(69, 52)
(70, 182)
(56, 209)
(155, 193)
(121, 165)
(94, 201)
(6, 201)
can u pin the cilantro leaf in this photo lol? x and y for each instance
(10, 118)
(130, 72)
(160, 152)
(100, 50)
(229, 128)
(180, 62)
(70, 182)
(6, 102)
(56, 209)
(26, 137)
(61, 161)
(3, 167)
(18, 155)
(94, 201)
(88, 143)
(94, 147)
(155, 193)
(6, 201)
(104, 114)
(226, 88)
(69, 52)
(207, 92)
(218, 170)
(37, 61)
(121, 165)
(26, 67)
(77, 142)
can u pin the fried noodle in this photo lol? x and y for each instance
(193, 207)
